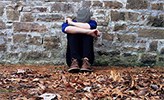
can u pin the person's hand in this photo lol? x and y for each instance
(69, 20)
(95, 33)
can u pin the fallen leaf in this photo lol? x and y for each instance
(89, 95)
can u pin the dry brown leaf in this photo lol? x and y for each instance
(142, 92)
(117, 92)
(84, 98)
(115, 75)
(21, 98)
(89, 95)
(41, 86)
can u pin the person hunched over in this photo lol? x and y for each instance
(80, 35)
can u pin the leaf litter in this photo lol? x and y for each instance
(34, 82)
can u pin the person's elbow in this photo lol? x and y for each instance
(64, 26)
(67, 30)
(63, 30)
(93, 25)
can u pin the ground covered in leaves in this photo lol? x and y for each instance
(24, 82)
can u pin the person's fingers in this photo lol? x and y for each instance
(68, 20)
(92, 33)
(96, 33)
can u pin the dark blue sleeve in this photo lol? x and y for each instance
(93, 24)
(64, 25)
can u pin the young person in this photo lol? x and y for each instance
(80, 34)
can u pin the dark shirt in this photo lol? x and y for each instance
(92, 23)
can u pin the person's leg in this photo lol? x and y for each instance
(88, 51)
(74, 50)
(68, 56)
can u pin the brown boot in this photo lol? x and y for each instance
(86, 67)
(74, 68)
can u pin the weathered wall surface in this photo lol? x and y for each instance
(132, 31)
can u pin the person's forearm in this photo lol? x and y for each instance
(81, 25)
(76, 30)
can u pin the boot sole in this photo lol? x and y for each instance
(74, 70)
(86, 70)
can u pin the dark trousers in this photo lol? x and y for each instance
(78, 47)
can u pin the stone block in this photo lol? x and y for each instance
(104, 22)
(162, 51)
(38, 28)
(116, 16)
(39, 9)
(35, 40)
(22, 27)
(51, 42)
(102, 52)
(113, 58)
(129, 59)
(141, 49)
(34, 55)
(151, 33)
(2, 25)
(131, 16)
(137, 4)
(12, 58)
(27, 17)
(114, 53)
(19, 38)
(2, 39)
(3, 47)
(108, 37)
(126, 38)
(113, 4)
(148, 59)
(157, 6)
(62, 7)
(102, 61)
(12, 14)
(97, 4)
(28, 27)
(118, 27)
(1, 10)
(2, 34)
(133, 49)
(86, 3)
(125, 16)
(50, 17)
(161, 59)
(156, 21)
(161, 16)
(100, 12)
(153, 46)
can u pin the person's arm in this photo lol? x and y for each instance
(78, 24)
(89, 30)
(78, 30)
(64, 25)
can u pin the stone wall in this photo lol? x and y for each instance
(132, 31)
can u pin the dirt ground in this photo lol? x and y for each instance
(30, 82)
